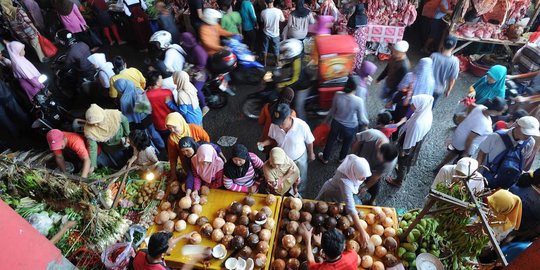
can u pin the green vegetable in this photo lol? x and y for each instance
(409, 256)
(401, 251)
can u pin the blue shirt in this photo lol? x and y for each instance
(439, 14)
(247, 12)
(530, 200)
(191, 114)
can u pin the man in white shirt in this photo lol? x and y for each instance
(294, 136)
(473, 130)
(271, 17)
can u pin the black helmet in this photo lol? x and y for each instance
(65, 37)
(222, 62)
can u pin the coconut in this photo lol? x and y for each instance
(248, 200)
(217, 235)
(265, 234)
(221, 213)
(370, 219)
(368, 250)
(218, 223)
(281, 253)
(245, 252)
(169, 226)
(261, 217)
(206, 230)
(330, 223)
(172, 214)
(294, 215)
(252, 240)
(308, 207)
(350, 233)
(388, 222)
(292, 227)
(267, 211)
(203, 200)
(237, 242)
(390, 260)
(322, 207)
(388, 211)
(270, 223)
(361, 215)
(377, 266)
(226, 240)
(288, 241)
(242, 220)
(235, 208)
(344, 223)
(278, 264)
(205, 190)
(228, 228)
(231, 218)
(246, 210)
(192, 219)
(293, 264)
(380, 251)
(390, 244)
(195, 238)
(376, 210)
(389, 232)
(333, 210)
(380, 217)
(367, 261)
(318, 220)
(184, 203)
(295, 204)
(377, 229)
(253, 215)
(353, 245)
(180, 225)
(165, 206)
(163, 216)
(183, 215)
(270, 200)
(376, 240)
(364, 224)
(201, 221)
(197, 209)
(262, 247)
(260, 260)
(305, 216)
(295, 252)
(241, 230)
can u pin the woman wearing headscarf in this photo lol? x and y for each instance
(349, 176)
(412, 134)
(35, 12)
(135, 10)
(100, 9)
(419, 81)
(507, 209)
(22, 27)
(239, 172)
(105, 70)
(187, 103)
(197, 56)
(490, 86)
(281, 173)
(207, 169)
(357, 25)
(328, 8)
(298, 22)
(131, 95)
(110, 129)
(347, 113)
(187, 149)
(179, 129)
(23, 70)
(71, 18)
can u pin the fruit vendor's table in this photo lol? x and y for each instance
(218, 199)
(364, 208)
(505, 43)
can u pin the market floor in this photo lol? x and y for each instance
(230, 121)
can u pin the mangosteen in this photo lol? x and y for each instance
(322, 207)
(235, 208)
(254, 228)
(330, 223)
(252, 240)
(305, 216)
(243, 220)
(318, 220)
(237, 242)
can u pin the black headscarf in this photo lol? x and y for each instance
(300, 11)
(188, 142)
(63, 7)
(230, 169)
(359, 17)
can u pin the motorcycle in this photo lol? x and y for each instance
(50, 114)
(246, 58)
(217, 89)
(67, 83)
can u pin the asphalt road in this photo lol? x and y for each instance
(230, 121)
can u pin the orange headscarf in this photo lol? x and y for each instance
(507, 207)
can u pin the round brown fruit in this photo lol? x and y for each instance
(221, 213)
(350, 233)
(242, 220)
(201, 221)
(270, 200)
(287, 202)
(227, 240)
(235, 208)
(245, 253)
(231, 218)
(206, 230)
(254, 228)
(241, 230)
(322, 207)
(288, 241)
(330, 223)
(237, 242)
(217, 235)
(390, 244)
(228, 228)
(295, 252)
(248, 200)
(265, 235)
(278, 264)
(267, 211)
(294, 215)
(353, 245)
(183, 215)
(305, 216)
(262, 247)
(333, 210)
(293, 264)
(318, 220)
(218, 223)
(261, 216)
(281, 253)
(270, 223)
(292, 227)
(344, 223)
(252, 240)
(296, 204)
(246, 210)
(308, 206)
(260, 260)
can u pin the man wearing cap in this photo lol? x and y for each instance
(60, 141)
(294, 136)
(473, 130)
(521, 135)
(465, 167)
(396, 69)
(445, 69)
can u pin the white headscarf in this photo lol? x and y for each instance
(354, 170)
(420, 122)
(100, 61)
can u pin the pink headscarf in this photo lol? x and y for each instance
(22, 68)
(207, 171)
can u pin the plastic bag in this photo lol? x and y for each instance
(41, 222)
(142, 105)
(121, 260)
(131, 232)
(321, 134)
(47, 47)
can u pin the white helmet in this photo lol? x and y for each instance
(162, 38)
(211, 16)
(290, 49)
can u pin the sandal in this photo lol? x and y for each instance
(320, 157)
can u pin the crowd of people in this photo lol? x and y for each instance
(143, 116)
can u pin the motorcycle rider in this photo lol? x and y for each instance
(76, 57)
(166, 57)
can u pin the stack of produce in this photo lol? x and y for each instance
(423, 238)
(321, 216)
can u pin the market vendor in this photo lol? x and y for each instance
(344, 185)
(527, 189)
(464, 168)
(60, 141)
(507, 209)
(180, 129)
(239, 172)
(109, 129)
(281, 173)
(332, 243)
(490, 86)
(207, 169)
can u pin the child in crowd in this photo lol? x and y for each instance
(386, 124)
(144, 154)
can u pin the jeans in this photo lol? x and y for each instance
(339, 130)
(302, 163)
(300, 103)
(275, 44)
(156, 137)
(436, 97)
(250, 37)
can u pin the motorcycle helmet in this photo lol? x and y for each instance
(211, 16)
(161, 39)
(222, 62)
(64, 37)
(290, 49)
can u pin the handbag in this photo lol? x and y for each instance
(48, 48)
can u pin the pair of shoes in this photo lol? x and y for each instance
(121, 42)
(205, 110)
(320, 156)
(393, 182)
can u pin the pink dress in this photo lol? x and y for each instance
(74, 22)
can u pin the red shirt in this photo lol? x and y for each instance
(388, 131)
(160, 110)
(75, 143)
(140, 263)
(348, 261)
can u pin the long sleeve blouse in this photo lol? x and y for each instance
(115, 141)
(242, 184)
(74, 21)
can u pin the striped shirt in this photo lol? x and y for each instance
(243, 184)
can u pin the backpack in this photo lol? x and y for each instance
(506, 168)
